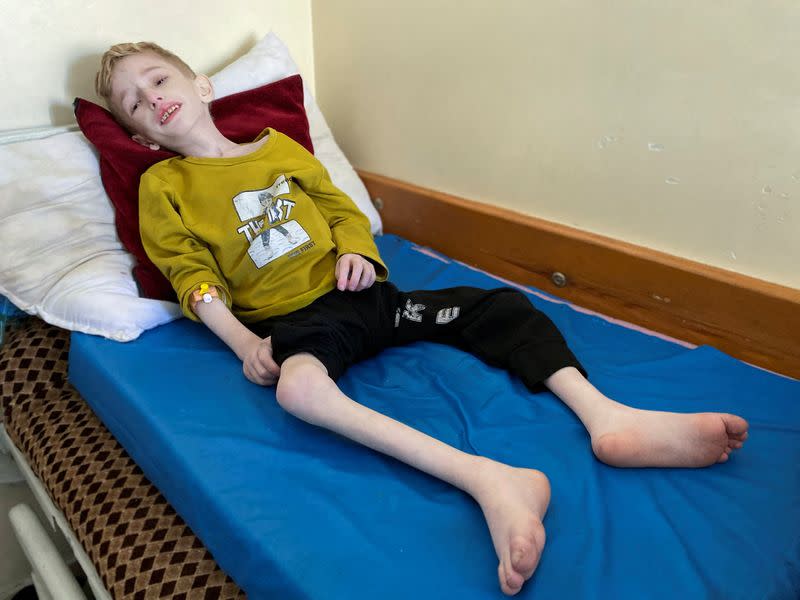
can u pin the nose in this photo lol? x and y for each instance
(152, 97)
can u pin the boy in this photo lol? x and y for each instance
(321, 302)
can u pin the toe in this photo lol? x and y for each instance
(736, 426)
(510, 582)
(523, 559)
(526, 551)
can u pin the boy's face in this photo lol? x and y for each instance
(157, 100)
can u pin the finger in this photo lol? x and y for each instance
(274, 369)
(267, 362)
(251, 375)
(258, 366)
(272, 366)
(260, 371)
(366, 279)
(344, 270)
(371, 274)
(355, 275)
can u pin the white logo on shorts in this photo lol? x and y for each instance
(413, 312)
(447, 315)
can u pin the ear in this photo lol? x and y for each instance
(204, 88)
(140, 139)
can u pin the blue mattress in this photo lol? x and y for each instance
(293, 511)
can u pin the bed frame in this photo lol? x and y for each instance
(753, 320)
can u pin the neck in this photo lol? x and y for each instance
(206, 141)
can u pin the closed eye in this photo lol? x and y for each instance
(161, 80)
(134, 107)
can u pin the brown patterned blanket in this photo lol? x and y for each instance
(139, 545)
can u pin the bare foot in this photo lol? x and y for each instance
(514, 502)
(643, 438)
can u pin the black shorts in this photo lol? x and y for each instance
(500, 326)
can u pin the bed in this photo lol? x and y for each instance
(382, 528)
(292, 511)
(257, 503)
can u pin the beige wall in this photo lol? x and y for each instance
(50, 49)
(673, 125)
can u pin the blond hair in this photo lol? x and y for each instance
(102, 82)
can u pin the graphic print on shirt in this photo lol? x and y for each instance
(266, 227)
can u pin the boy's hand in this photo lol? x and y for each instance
(354, 273)
(258, 364)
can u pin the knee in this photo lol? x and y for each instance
(516, 305)
(509, 297)
(300, 389)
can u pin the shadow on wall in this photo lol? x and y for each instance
(81, 74)
(79, 82)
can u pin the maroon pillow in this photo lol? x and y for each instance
(240, 117)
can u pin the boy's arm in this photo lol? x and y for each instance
(183, 259)
(188, 264)
(358, 263)
(349, 227)
(254, 352)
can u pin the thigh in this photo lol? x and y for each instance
(443, 315)
(500, 326)
(338, 329)
(493, 324)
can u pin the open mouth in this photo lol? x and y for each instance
(167, 115)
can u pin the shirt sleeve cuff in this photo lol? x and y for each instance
(186, 297)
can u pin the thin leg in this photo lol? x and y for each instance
(504, 329)
(513, 500)
(627, 437)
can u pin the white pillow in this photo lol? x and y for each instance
(60, 257)
(269, 60)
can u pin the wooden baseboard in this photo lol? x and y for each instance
(753, 320)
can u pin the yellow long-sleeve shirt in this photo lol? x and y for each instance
(266, 228)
